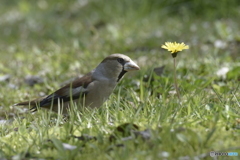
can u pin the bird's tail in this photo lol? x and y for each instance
(34, 104)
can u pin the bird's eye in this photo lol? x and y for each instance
(120, 60)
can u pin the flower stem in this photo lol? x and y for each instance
(175, 79)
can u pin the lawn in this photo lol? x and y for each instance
(46, 44)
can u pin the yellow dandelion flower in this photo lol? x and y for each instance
(175, 47)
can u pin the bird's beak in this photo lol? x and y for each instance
(130, 66)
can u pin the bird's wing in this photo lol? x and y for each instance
(74, 90)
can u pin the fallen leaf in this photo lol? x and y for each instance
(32, 80)
(159, 70)
(68, 146)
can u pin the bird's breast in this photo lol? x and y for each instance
(98, 93)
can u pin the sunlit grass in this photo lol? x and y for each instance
(61, 41)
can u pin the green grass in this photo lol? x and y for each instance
(59, 41)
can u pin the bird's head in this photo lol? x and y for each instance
(115, 66)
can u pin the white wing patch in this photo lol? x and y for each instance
(78, 90)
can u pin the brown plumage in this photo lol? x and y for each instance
(91, 90)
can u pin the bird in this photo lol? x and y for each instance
(90, 90)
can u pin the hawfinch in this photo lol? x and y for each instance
(91, 90)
